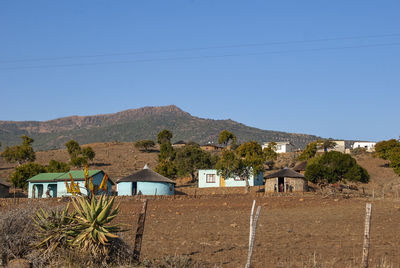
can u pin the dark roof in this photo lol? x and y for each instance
(300, 166)
(212, 145)
(146, 175)
(287, 173)
(179, 142)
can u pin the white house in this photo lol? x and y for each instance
(282, 146)
(368, 145)
(210, 178)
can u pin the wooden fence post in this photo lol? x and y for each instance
(365, 252)
(139, 232)
(253, 236)
(251, 220)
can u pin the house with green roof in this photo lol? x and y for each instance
(53, 184)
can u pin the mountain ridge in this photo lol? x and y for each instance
(136, 124)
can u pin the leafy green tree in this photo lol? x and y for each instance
(20, 153)
(270, 154)
(73, 148)
(79, 156)
(246, 160)
(24, 172)
(88, 153)
(309, 152)
(144, 145)
(57, 166)
(394, 157)
(333, 166)
(383, 148)
(166, 168)
(191, 158)
(225, 137)
(164, 136)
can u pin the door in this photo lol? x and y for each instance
(281, 184)
(53, 190)
(39, 191)
(222, 182)
(134, 188)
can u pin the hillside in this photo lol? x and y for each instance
(133, 125)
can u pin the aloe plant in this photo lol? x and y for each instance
(55, 228)
(93, 229)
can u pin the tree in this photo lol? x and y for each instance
(73, 148)
(309, 152)
(246, 160)
(166, 168)
(144, 145)
(88, 153)
(394, 157)
(225, 137)
(164, 136)
(57, 166)
(326, 144)
(20, 153)
(333, 166)
(383, 148)
(191, 158)
(79, 156)
(24, 172)
(270, 154)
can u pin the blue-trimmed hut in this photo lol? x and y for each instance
(145, 182)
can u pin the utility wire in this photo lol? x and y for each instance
(200, 57)
(204, 48)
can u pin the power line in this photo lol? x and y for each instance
(199, 57)
(204, 48)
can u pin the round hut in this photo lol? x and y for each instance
(285, 180)
(145, 182)
(300, 167)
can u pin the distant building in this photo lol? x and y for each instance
(339, 147)
(210, 178)
(211, 147)
(285, 180)
(4, 189)
(300, 167)
(145, 182)
(179, 144)
(53, 184)
(369, 146)
(281, 146)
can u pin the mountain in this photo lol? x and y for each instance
(133, 125)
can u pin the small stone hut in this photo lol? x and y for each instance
(285, 180)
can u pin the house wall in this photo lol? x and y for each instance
(4, 190)
(149, 188)
(229, 182)
(62, 190)
(124, 188)
(369, 146)
(298, 185)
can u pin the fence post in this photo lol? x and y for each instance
(365, 252)
(139, 232)
(373, 193)
(253, 236)
(251, 220)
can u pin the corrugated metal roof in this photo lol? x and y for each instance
(45, 177)
(78, 174)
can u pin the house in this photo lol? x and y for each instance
(179, 144)
(210, 147)
(4, 189)
(300, 167)
(339, 147)
(285, 180)
(210, 178)
(281, 146)
(368, 145)
(53, 184)
(145, 182)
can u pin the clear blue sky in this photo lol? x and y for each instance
(329, 68)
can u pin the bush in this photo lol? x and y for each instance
(23, 172)
(333, 167)
(16, 233)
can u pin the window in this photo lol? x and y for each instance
(210, 178)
